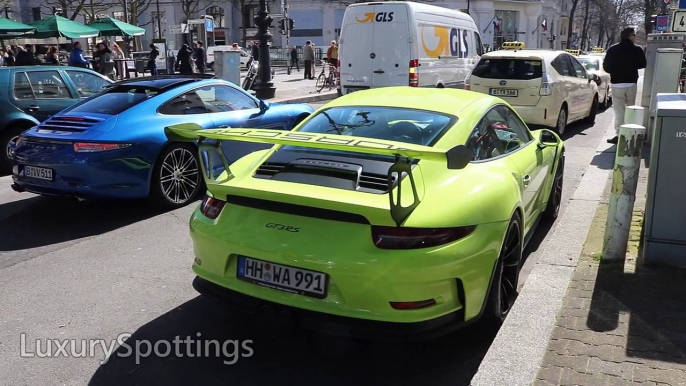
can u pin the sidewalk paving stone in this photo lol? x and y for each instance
(620, 323)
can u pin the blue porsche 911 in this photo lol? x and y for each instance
(113, 145)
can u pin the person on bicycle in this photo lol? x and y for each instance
(332, 54)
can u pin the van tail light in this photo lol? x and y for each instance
(338, 72)
(467, 85)
(415, 238)
(546, 85)
(414, 73)
(211, 207)
(92, 147)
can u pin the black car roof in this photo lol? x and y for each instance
(162, 82)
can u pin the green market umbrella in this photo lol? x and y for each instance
(114, 27)
(11, 29)
(57, 27)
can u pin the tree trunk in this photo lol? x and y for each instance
(584, 28)
(570, 28)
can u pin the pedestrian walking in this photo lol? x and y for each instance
(294, 59)
(152, 59)
(255, 51)
(200, 58)
(183, 61)
(622, 62)
(332, 54)
(308, 58)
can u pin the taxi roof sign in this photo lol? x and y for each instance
(597, 50)
(574, 52)
(513, 46)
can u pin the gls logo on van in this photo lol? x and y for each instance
(379, 17)
(450, 41)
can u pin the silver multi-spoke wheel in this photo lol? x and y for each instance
(9, 145)
(179, 176)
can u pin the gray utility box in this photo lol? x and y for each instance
(664, 238)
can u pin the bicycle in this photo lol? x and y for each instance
(323, 80)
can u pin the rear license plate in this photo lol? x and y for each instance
(504, 92)
(282, 277)
(40, 173)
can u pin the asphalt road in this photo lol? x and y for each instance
(87, 271)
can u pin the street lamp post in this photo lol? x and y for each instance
(159, 22)
(264, 88)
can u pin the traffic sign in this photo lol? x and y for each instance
(679, 21)
(662, 23)
(178, 29)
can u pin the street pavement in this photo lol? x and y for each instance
(97, 270)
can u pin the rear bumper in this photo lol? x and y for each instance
(539, 115)
(337, 325)
(113, 174)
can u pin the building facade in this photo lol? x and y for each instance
(537, 23)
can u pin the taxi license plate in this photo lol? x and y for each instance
(504, 92)
(282, 277)
(40, 173)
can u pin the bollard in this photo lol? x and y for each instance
(623, 192)
(634, 115)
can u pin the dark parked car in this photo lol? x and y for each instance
(31, 94)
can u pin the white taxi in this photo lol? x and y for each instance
(594, 65)
(547, 88)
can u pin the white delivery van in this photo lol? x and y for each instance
(406, 43)
(210, 56)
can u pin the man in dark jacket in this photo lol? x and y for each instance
(200, 57)
(622, 62)
(152, 59)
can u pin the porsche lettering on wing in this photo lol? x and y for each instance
(312, 138)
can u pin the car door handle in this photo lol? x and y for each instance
(223, 126)
(379, 71)
(527, 180)
(33, 108)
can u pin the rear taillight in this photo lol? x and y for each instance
(414, 238)
(467, 86)
(338, 73)
(211, 207)
(546, 85)
(90, 147)
(414, 73)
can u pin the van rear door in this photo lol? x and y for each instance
(375, 49)
(515, 79)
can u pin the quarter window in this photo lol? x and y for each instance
(220, 99)
(499, 132)
(22, 86)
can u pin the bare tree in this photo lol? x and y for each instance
(190, 7)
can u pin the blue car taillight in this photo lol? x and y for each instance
(91, 147)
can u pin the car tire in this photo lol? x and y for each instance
(590, 119)
(8, 135)
(552, 209)
(562, 119)
(503, 291)
(177, 177)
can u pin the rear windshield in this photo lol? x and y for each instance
(418, 127)
(116, 100)
(518, 69)
(590, 64)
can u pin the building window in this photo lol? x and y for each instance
(509, 22)
(36, 13)
(249, 13)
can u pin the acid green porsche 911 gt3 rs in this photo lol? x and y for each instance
(393, 213)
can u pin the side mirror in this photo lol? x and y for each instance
(264, 106)
(547, 139)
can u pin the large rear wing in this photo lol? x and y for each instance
(456, 158)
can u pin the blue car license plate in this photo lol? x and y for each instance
(39, 173)
(282, 277)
